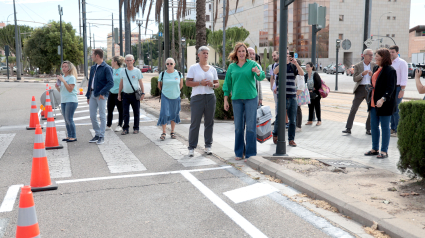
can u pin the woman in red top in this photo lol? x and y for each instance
(382, 102)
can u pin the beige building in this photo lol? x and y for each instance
(416, 40)
(344, 20)
(134, 40)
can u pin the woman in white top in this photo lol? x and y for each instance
(203, 79)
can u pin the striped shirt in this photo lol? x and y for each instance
(291, 88)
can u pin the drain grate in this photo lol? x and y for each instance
(343, 163)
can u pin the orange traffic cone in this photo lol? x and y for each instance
(34, 116)
(40, 175)
(43, 114)
(27, 218)
(51, 135)
(48, 104)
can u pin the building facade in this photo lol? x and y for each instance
(134, 40)
(190, 13)
(344, 20)
(416, 40)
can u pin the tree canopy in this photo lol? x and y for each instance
(7, 36)
(42, 47)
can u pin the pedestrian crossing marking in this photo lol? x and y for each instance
(5, 140)
(59, 162)
(175, 148)
(250, 192)
(117, 155)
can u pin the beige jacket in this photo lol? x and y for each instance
(358, 70)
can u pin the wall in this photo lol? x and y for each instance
(416, 44)
(191, 56)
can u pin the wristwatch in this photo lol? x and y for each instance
(384, 98)
(143, 93)
(403, 89)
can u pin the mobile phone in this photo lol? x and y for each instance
(292, 54)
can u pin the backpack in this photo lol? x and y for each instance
(324, 90)
(162, 76)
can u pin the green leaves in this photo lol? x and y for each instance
(7, 36)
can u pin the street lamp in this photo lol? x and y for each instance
(380, 40)
(7, 20)
(60, 9)
(183, 45)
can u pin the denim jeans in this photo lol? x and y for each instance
(127, 100)
(291, 108)
(245, 108)
(68, 110)
(396, 116)
(385, 129)
(96, 103)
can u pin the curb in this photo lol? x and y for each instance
(359, 212)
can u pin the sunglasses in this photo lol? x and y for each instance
(169, 63)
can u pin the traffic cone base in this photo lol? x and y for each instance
(53, 186)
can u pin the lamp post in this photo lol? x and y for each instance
(338, 43)
(60, 9)
(380, 40)
(7, 20)
(183, 45)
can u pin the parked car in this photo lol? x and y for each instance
(411, 68)
(350, 71)
(3, 70)
(341, 69)
(221, 73)
(326, 68)
(146, 69)
(155, 69)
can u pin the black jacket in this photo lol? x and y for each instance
(317, 82)
(385, 87)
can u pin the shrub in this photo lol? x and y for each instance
(411, 138)
(186, 91)
(154, 87)
(220, 113)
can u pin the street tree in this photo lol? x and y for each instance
(42, 46)
(7, 36)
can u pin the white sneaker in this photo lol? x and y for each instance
(208, 150)
(298, 129)
(394, 134)
(118, 129)
(108, 128)
(191, 153)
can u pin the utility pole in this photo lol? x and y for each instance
(79, 16)
(139, 23)
(112, 37)
(127, 29)
(121, 46)
(160, 49)
(224, 35)
(94, 42)
(60, 15)
(166, 30)
(17, 48)
(91, 49)
(85, 42)
(367, 20)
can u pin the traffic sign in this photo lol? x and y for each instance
(346, 44)
(160, 34)
(368, 42)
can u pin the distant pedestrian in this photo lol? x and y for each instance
(314, 83)
(362, 77)
(300, 84)
(69, 100)
(170, 83)
(382, 102)
(400, 65)
(131, 81)
(253, 56)
(203, 79)
(275, 56)
(419, 86)
(292, 70)
(240, 81)
(117, 62)
(100, 82)
(320, 66)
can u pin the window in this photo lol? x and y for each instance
(394, 18)
(388, 18)
(210, 27)
(210, 7)
(341, 17)
(341, 36)
(207, 17)
(393, 35)
(388, 35)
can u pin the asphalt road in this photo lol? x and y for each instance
(157, 191)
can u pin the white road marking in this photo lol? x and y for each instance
(175, 148)
(250, 192)
(10, 198)
(5, 140)
(139, 175)
(228, 210)
(117, 155)
(59, 162)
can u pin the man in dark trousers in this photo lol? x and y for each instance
(100, 82)
(362, 77)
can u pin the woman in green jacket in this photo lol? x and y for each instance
(240, 81)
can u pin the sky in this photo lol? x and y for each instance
(43, 11)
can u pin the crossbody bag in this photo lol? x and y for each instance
(137, 92)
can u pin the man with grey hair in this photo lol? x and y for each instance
(362, 77)
(252, 54)
(131, 81)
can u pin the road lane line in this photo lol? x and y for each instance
(5, 140)
(139, 175)
(228, 210)
(10, 198)
(59, 162)
(250, 192)
(117, 155)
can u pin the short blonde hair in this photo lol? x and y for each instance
(174, 62)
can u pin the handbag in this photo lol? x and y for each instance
(137, 92)
(304, 97)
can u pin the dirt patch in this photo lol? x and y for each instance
(396, 194)
(373, 230)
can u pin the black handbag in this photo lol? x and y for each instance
(137, 92)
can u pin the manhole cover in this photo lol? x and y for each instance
(344, 163)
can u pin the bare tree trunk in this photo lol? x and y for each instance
(180, 40)
(173, 40)
(201, 31)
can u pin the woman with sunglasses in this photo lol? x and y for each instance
(170, 82)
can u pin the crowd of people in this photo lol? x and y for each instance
(381, 83)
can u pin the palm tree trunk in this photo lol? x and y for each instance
(180, 38)
(201, 31)
(173, 41)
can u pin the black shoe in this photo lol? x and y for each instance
(273, 123)
(368, 132)
(72, 140)
(65, 139)
(348, 131)
(100, 141)
(94, 140)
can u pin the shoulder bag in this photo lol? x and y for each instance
(137, 92)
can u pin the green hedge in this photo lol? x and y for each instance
(186, 91)
(411, 138)
(220, 113)
(154, 87)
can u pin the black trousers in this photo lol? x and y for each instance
(127, 100)
(112, 102)
(299, 117)
(314, 106)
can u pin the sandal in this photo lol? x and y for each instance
(239, 158)
(162, 136)
(369, 153)
(136, 132)
(381, 156)
(124, 132)
(173, 136)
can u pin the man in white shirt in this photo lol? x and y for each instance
(402, 71)
(251, 53)
(275, 56)
(362, 76)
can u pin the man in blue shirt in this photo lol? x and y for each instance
(100, 82)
